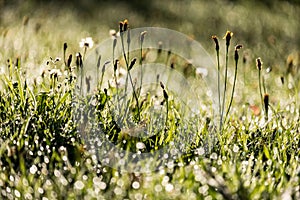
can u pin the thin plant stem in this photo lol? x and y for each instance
(141, 65)
(225, 87)
(219, 90)
(260, 88)
(129, 75)
(236, 58)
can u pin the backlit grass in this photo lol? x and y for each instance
(45, 122)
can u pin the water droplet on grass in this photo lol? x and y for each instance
(135, 185)
(33, 169)
(79, 185)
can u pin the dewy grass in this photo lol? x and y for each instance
(42, 154)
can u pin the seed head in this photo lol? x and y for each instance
(98, 61)
(69, 61)
(143, 36)
(78, 60)
(236, 54)
(86, 42)
(116, 65)
(216, 42)
(165, 95)
(126, 25)
(132, 63)
(266, 103)
(121, 26)
(228, 37)
(65, 46)
(112, 33)
(282, 80)
(162, 85)
(258, 63)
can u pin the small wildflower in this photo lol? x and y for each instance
(57, 59)
(216, 42)
(55, 73)
(112, 33)
(228, 37)
(235, 148)
(86, 42)
(258, 64)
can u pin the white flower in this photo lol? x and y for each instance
(55, 73)
(86, 42)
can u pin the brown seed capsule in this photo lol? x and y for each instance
(162, 85)
(121, 25)
(116, 65)
(266, 103)
(65, 46)
(132, 64)
(69, 61)
(228, 37)
(125, 25)
(236, 54)
(165, 95)
(282, 80)
(258, 63)
(216, 42)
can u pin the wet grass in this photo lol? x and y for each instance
(49, 133)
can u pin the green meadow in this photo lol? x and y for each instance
(93, 107)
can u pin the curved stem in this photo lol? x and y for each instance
(233, 88)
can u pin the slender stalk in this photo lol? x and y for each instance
(166, 98)
(218, 61)
(259, 66)
(130, 78)
(260, 86)
(141, 60)
(97, 73)
(227, 36)
(236, 58)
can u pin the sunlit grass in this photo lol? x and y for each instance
(43, 129)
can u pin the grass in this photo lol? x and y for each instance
(49, 133)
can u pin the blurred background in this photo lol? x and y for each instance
(269, 28)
